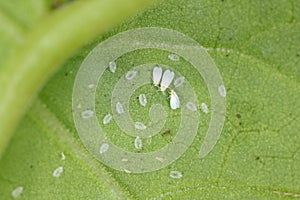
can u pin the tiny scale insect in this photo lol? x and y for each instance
(175, 174)
(119, 108)
(57, 172)
(17, 192)
(191, 106)
(104, 147)
(204, 108)
(107, 118)
(173, 57)
(138, 143)
(130, 75)
(112, 66)
(140, 126)
(87, 114)
(178, 82)
(143, 99)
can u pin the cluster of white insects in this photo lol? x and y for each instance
(162, 80)
(165, 79)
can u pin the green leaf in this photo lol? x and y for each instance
(256, 47)
(45, 47)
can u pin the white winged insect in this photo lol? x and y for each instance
(174, 100)
(157, 72)
(166, 80)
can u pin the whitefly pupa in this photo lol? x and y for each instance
(142, 99)
(179, 81)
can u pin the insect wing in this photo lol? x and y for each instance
(167, 78)
(174, 101)
(157, 72)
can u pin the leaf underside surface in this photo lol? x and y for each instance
(256, 47)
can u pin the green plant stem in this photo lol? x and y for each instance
(49, 45)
